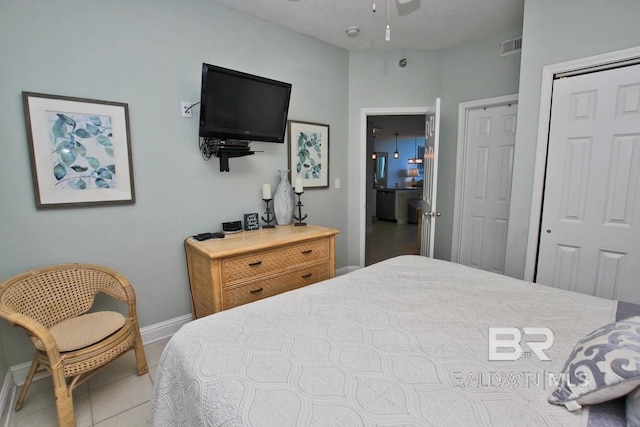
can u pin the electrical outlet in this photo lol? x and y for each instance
(337, 183)
(185, 108)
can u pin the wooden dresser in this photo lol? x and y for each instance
(251, 265)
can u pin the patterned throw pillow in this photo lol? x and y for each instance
(604, 365)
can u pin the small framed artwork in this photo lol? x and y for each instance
(251, 221)
(309, 153)
(80, 151)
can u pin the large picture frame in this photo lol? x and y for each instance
(80, 151)
(309, 153)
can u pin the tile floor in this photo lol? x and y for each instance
(115, 396)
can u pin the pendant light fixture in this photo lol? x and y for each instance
(374, 155)
(387, 31)
(396, 155)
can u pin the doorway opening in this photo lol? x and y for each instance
(367, 191)
(394, 185)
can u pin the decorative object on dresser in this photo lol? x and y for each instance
(266, 196)
(283, 200)
(309, 152)
(251, 221)
(245, 267)
(299, 190)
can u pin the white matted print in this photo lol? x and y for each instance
(309, 153)
(80, 151)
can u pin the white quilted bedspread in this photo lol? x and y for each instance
(402, 342)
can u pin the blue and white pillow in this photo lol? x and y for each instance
(603, 366)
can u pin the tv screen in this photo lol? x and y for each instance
(240, 106)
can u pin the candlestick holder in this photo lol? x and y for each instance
(300, 218)
(268, 220)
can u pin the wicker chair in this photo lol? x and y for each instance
(52, 305)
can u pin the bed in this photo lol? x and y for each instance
(401, 342)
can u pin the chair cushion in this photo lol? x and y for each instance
(83, 331)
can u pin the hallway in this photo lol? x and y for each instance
(389, 239)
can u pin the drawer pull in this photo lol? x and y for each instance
(308, 251)
(253, 264)
(306, 276)
(255, 291)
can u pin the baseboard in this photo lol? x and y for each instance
(164, 329)
(7, 397)
(149, 334)
(347, 269)
(16, 375)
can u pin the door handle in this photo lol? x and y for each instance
(432, 214)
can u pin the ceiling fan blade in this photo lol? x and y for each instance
(405, 7)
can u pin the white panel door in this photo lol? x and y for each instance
(491, 137)
(590, 235)
(430, 182)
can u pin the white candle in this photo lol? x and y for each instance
(299, 188)
(266, 191)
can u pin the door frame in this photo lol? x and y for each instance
(463, 123)
(362, 156)
(544, 119)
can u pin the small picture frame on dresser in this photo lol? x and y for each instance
(251, 221)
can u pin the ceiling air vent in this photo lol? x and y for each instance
(508, 47)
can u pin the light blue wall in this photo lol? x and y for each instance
(554, 32)
(470, 71)
(148, 53)
(376, 80)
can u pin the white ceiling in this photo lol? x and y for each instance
(415, 25)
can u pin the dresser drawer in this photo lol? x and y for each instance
(275, 285)
(260, 264)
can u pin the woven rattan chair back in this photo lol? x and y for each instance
(39, 299)
(54, 294)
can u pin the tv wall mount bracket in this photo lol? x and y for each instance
(224, 150)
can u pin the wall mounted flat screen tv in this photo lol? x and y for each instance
(241, 106)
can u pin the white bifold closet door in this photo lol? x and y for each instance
(590, 227)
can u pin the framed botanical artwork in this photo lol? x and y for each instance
(80, 151)
(309, 153)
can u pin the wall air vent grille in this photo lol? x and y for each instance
(508, 47)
